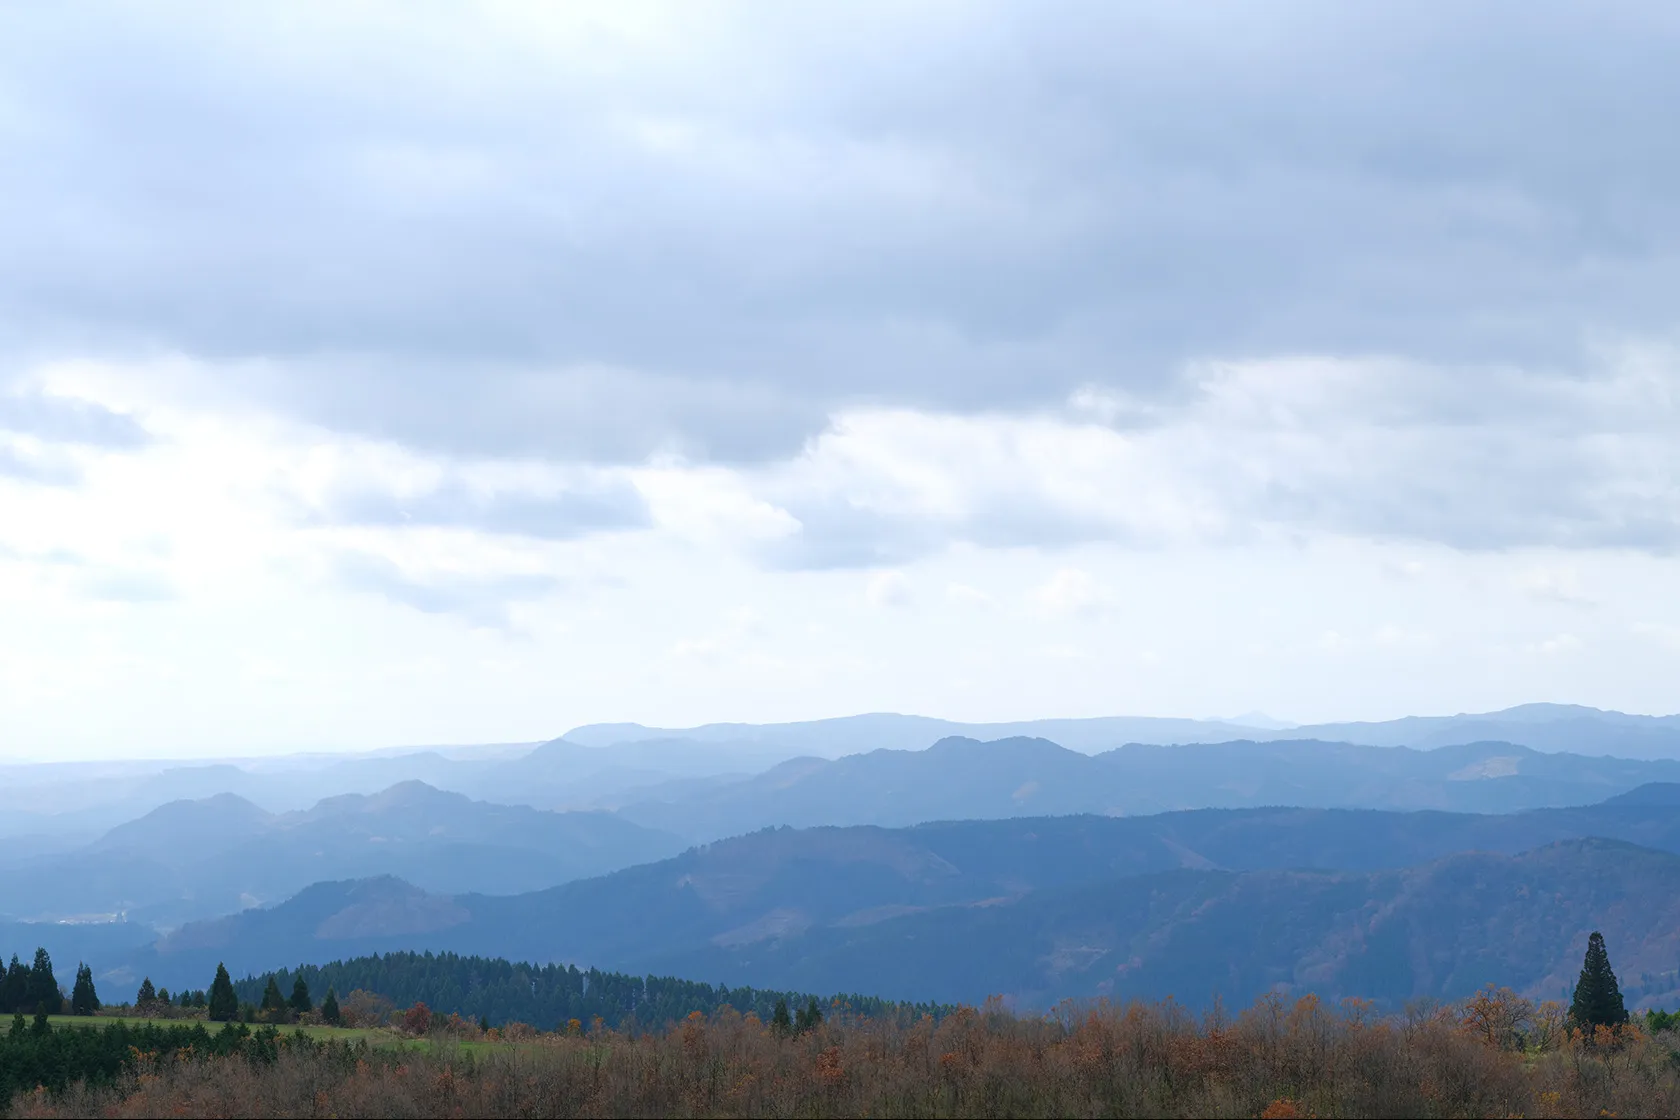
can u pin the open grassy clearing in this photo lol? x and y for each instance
(375, 1036)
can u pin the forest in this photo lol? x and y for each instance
(1494, 1054)
(497, 991)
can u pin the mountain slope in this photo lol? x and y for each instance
(1442, 929)
(781, 906)
(193, 859)
(1545, 727)
(963, 778)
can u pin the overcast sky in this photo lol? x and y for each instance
(419, 374)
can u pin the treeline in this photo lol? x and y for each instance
(30, 988)
(33, 1054)
(494, 991)
(1496, 1055)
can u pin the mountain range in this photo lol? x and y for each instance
(1542, 727)
(962, 778)
(1384, 905)
(191, 859)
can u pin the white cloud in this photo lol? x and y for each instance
(1561, 584)
(1073, 592)
(887, 589)
(1554, 645)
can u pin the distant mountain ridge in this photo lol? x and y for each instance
(1047, 907)
(960, 778)
(1543, 727)
(194, 858)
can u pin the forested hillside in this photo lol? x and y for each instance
(546, 996)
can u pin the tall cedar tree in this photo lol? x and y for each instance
(329, 1008)
(780, 1021)
(1598, 998)
(146, 994)
(43, 996)
(301, 1003)
(224, 1005)
(272, 999)
(83, 999)
(14, 989)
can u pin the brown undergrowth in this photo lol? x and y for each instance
(1495, 1056)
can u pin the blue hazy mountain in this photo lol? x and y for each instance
(1542, 727)
(1048, 907)
(192, 859)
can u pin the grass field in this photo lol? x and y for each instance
(375, 1036)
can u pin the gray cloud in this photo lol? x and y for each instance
(710, 241)
(481, 600)
(116, 586)
(64, 420)
(48, 471)
(561, 516)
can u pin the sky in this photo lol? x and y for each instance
(423, 373)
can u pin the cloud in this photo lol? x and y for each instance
(579, 234)
(482, 600)
(41, 468)
(52, 419)
(887, 589)
(740, 627)
(1072, 592)
(1369, 447)
(559, 515)
(127, 586)
(1555, 645)
(1554, 585)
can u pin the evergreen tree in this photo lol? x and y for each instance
(14, 989)
(780, 1021)
(329, 1009)
(301, 1003)
(224, 1005)
(272, 999)
(43, 996)
(146, 994)
(83, 999)
(1598, 998)
(484, 1023)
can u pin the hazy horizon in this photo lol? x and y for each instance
(1264, 721)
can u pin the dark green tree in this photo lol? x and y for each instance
(301, 1003)
(43, 996)
(224, 1005)
(146, 994)
(14, 989)
(83, 999)
(780, 1021)
(272, 999)
(484, 1023)
(329, 1009)
(1598, 998)
(164, 997)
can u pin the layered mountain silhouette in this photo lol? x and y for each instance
(191, 859)
(963, 778)
(1384, 905)
(1543, 727)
